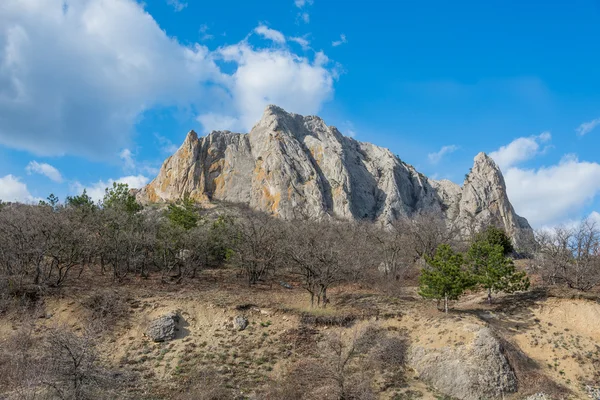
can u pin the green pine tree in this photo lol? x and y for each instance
(494, 271)
(494, 235)
(444, 277)
(119, 197)
(82, 201)
(183, 214)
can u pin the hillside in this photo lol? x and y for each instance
(549, 343)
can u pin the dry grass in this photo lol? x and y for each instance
(211, 359)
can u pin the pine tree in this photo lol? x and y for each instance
(494, 235)
(493, 270)
(183, 214)
(444, 278)
(119, 197)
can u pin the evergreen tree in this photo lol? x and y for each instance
(183, 214)
(493, 270)
(119, 197)
(82, 201)
(444, 277)
(496, 236)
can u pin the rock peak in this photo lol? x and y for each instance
(484, 158)
(293, 166)
(191, 136)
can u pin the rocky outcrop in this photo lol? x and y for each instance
(296, 166)
(472, 371)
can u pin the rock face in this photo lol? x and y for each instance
(163, 328)
(477, 370)
(296, 166)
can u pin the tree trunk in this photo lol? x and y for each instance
(446, 303)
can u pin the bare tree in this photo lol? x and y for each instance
(570, 256)
(257, 245)
(425, 231)
(318, 254)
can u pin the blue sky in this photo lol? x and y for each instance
(93, 91)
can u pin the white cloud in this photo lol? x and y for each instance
(12, 189)
(302, 41)
(75, 80)
(342, 40)
(218, 122)
(550, 195)
(303, 15)
(166, 146)
(97, 190)
(177, 5)
(128, 161)
(44, 169)
(348, 129)
(519, 150)
(272, 76)
(436, 157)
(204, 33)
(270, 34)
(587, 127)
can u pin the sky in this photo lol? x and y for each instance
(98, 91)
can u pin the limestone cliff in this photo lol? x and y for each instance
(296, 166)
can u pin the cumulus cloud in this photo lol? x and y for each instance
(270, 76)
(339, 42)
(519, 150)
(547, 195)
(97, 190)
(436, 157)
(47, 170)
(270, 34)
(587, 127)
(75, 79)
(12, 189)
(551, 195)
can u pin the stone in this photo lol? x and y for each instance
(291, 165)
(164, 328)
(240, 323)
(472, 371)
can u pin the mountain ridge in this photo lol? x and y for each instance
(296, 166)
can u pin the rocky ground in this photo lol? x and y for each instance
(536, 345)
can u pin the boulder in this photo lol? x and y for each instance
(164, 328)
(472, 371)
(240, 323)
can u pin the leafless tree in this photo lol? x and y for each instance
(257, 245)
(570, 255)
(424, 232)
(319, 255)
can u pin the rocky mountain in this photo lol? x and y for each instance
(296, 166)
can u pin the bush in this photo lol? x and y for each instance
(106, 306)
